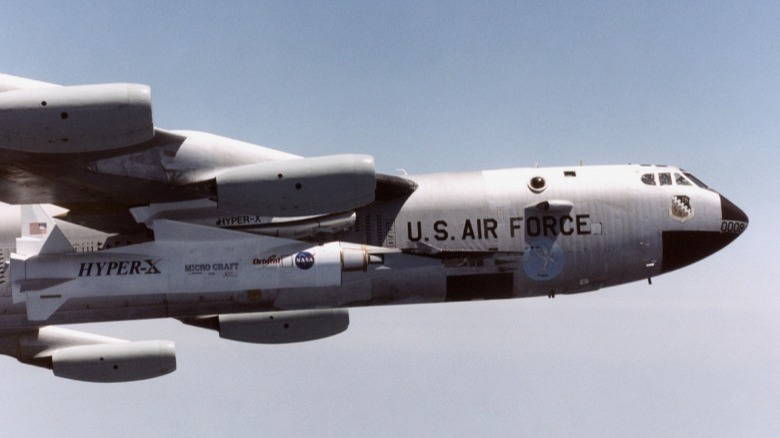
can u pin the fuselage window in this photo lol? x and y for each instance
(681, 180)
(649, 179)
(665, 179)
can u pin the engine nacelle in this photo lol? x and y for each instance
(276, 327)
(115, 362)
(299, 187)
(75, 119)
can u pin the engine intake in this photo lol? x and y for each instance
(276, 327)
(298, 187)
(119, 362)
(75, 119)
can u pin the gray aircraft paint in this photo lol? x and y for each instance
(493, 234)
(597, 227)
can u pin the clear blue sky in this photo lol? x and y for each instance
(439, 86)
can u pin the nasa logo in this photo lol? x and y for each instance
(681, 209)
(304, 260)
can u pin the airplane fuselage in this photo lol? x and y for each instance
(265, 246)
(508, 233)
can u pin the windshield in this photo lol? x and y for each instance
(680, 178)
(696, 181)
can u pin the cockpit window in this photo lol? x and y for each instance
(696, 181)
(680, 180)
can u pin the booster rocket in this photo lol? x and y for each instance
(183, 258)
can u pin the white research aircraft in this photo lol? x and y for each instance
(268, 247)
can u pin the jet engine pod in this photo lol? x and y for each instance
(116, 362)
(76, 119)
(276, 327)
(299, 187)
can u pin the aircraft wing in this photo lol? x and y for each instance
(94, 150)
(94, 200)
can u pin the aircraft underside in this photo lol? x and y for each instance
(267, 247)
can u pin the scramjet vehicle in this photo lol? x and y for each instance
(108, 217)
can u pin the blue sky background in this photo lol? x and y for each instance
(439, 86)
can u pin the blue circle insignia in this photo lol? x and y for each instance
(543, 259)
(304, 260)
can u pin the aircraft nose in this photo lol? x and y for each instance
(681, 248)
(730, 212)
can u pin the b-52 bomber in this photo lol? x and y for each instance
(107, 217)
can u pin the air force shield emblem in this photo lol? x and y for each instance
(681, 209)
